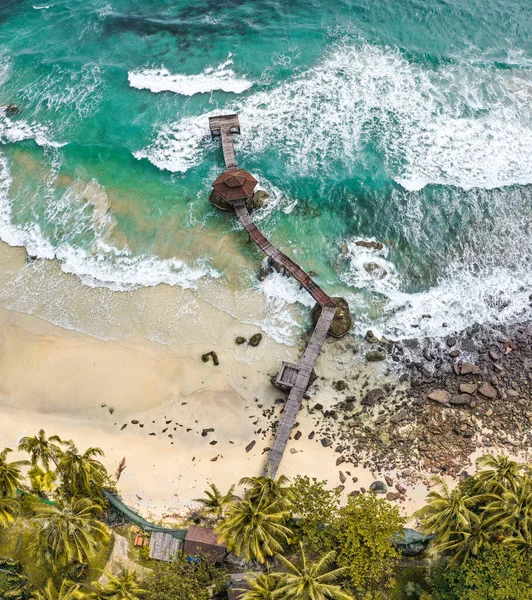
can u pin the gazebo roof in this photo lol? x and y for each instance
(235, 184)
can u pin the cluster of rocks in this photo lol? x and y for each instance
(254, 340)
(469, 391)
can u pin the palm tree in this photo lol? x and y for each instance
(10, 475)
(123, 587)
(521, 543)
(512, 509)
(8, 507)
(82, 473)
(447, 512)
(465, 544)
(68, 533)
(215, 502)
(67, 591)
(262, 587)
(312, 580)
(498, 473)
(42, 482)
(255, 530)
(272, 489)
(41, 449)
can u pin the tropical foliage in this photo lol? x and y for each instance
(316, 508)
(122, 587)
(82, 473)
(10, 474)
(42, 482)
(170, 581)
(42, 450)
(495, 507)
(215, 502)
(495, 574)
(263, 488)
(67, 532)
(262, 587)
(256, 529)
(8, 508)
(365, 529)
(67, 591)
(311, 580)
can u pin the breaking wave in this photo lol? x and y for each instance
(462, 125)
(104, 265)
(211, 79)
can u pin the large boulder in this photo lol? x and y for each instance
(257, 200)
(378, 487)
(342, 319)
(216, 200)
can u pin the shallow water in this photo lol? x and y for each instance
(400, 121)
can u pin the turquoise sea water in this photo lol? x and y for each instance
(404, 121)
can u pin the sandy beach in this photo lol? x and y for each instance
(93, 390)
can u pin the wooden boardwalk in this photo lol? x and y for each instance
(328, 310)
(224, 127)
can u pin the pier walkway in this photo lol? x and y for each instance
(297, 376)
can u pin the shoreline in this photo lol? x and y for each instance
(58, 379)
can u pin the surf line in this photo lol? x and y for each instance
(233, 190)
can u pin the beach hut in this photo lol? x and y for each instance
(203, 541)
(235, 184)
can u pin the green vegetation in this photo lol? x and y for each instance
(365, 529)
(169, 581)
(255, 529)
(317, 508)
(303, 543)
(311, 580)
(67, 591)
(496, 573)
(215, 502)
(68, 532)
(10, 474)
(52, 536)
(483, 530)
(123, 587)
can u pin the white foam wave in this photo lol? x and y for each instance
(463, 298)
(76, 93)
(178, 146)
(485, 274)
(107, 266)
(211, 79)
(462, 125)
(284, 300)
(17, 130)
(383, 278)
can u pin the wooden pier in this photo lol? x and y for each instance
(295, 378)
(224, 127)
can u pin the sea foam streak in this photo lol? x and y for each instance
(108, 266)
(211, 79)
(487, 281)
(460, 125)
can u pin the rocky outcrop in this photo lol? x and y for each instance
(372, 245)
(342, 319)
(375, 270)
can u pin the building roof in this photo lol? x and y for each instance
(203, 535)
(235, 184)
